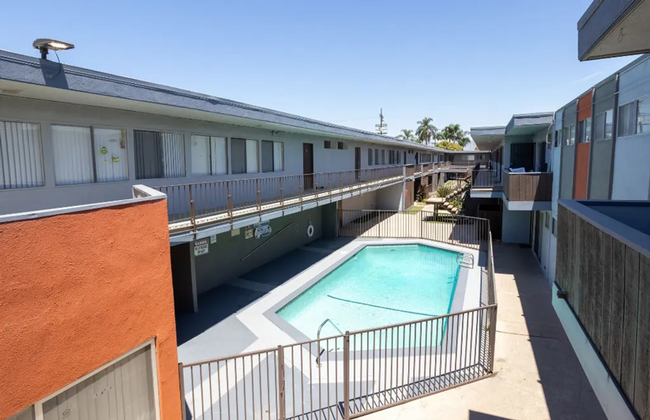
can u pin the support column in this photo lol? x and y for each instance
(184, 278)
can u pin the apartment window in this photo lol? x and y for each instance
(554, 227)
(398, 156)
(84, 155)
(470, 158)
(558, 138)
(585, 130)
(244, 156)
(327, 144)
(272, 156)
(159, 155)
(643, 117)
(342, 146)
(565, 135)
(603, 124)
(571, 135)
(209, 155)
(21, 155)
(377, 162)
(390, 157)
(383, 157)
(627, 119)
(369, 157)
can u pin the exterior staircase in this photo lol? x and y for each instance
(458, 194)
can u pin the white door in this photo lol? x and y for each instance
(121, 391)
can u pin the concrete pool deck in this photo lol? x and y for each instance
(537, 373)
(240, 316)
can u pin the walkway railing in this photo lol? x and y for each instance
(191, 205)
(487, 177)
(356, 373)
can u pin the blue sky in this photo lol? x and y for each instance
(472, 62)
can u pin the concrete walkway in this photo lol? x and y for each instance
(537, 374)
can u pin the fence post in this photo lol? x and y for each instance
(493, 335)
(181, 383)
(259, 197)
(346, 375)
(282, 397)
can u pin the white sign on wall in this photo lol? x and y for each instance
(249, 232)
(262, 230)
(213, 239)
(201, 247)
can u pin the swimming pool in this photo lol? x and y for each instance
(380, 285)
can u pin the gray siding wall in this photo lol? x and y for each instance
(46, 113)
(225, 260)
(568, 156)
(515, 226)
(600, 176)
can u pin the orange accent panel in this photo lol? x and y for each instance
(584, 107)
(582, 171)
(79, 290)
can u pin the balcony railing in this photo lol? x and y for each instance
(490, 177)
(199, 204)
(528, 186)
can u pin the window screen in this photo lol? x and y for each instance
(73, 155)
(267, 156)
(251, 156)
(369, 157)
(21, 155)
(599, 127)
(159, 155)
(111, 162)
(238, 156)
(327, 144)
(383, 157)
(278, 156)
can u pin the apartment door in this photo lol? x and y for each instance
(522, 155)
(308, 165)
(357, 163)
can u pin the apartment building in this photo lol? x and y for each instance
(579, 198)
(94, 150)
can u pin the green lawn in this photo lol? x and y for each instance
(415, 209)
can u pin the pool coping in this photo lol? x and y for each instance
(457, 304)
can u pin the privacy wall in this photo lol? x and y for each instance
(79, 290)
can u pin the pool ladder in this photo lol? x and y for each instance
(465, 260)
(320, 327)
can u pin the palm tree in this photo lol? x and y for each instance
(426, 131)
(406, 135)
(453, 133)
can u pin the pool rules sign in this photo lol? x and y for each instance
(201, 247)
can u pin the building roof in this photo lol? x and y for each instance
(31, 77)
(524, 124)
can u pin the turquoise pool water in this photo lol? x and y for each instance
(378, 286)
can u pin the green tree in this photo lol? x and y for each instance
(406, 135)
(453, 133)
(445, 144)
(426, 131)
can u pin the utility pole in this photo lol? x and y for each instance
(381, 127)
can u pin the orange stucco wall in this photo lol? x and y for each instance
(79, 290)
(581, 174)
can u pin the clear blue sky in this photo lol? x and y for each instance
(472, 62)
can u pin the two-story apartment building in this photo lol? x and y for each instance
(75, 142)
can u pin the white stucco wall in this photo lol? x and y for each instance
(515, 226)
(631, 180)
(390, 198)
(47, 113)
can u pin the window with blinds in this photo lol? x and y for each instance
(244, 156)
(21, 155)
(159, 155)
(209, 155)
(85, 155)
